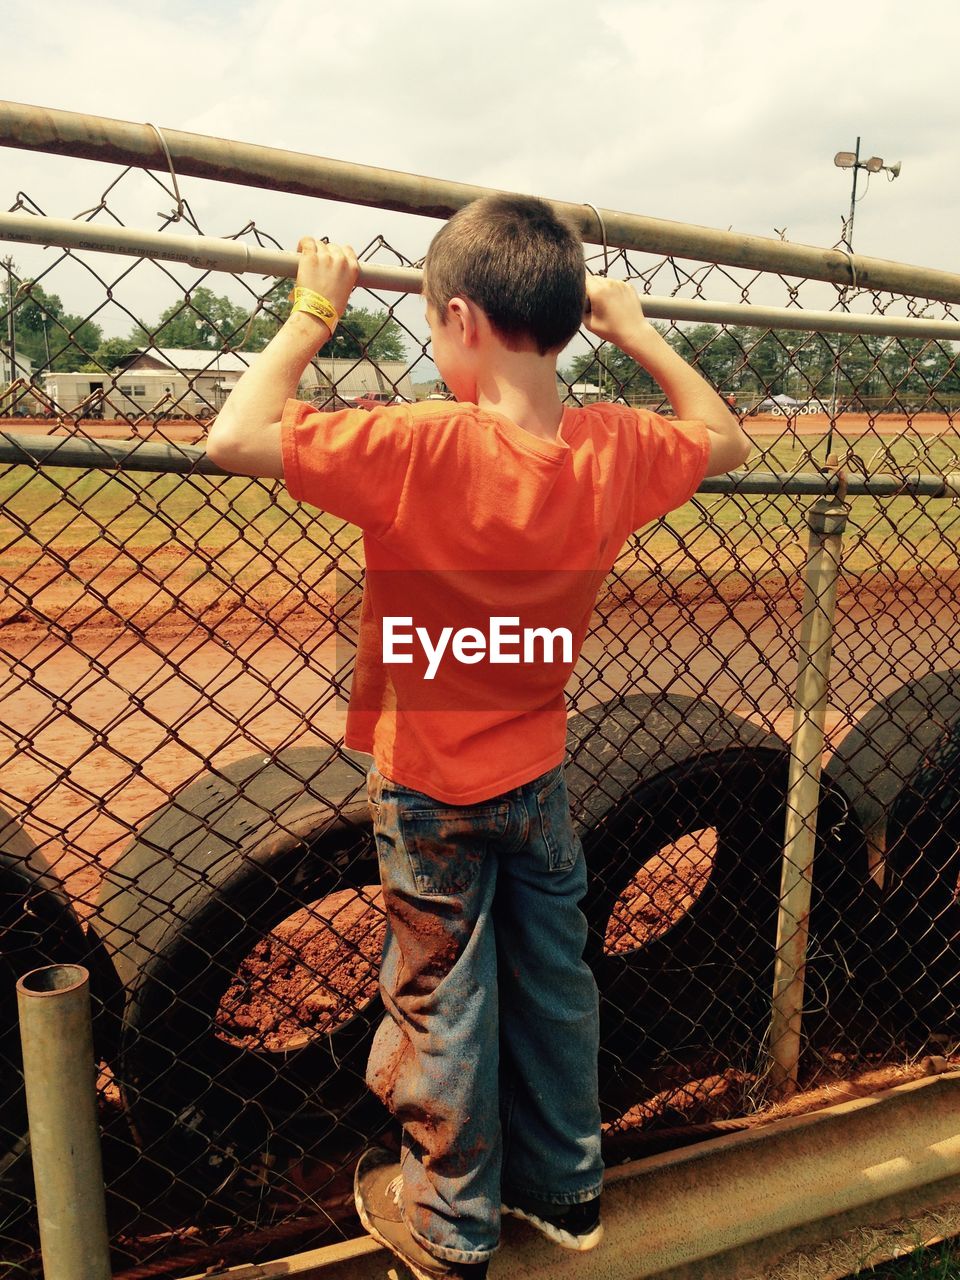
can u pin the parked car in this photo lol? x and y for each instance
(375, 399)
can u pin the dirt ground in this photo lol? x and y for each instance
(176, 430)
(111, 725)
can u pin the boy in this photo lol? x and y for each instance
(504, 507)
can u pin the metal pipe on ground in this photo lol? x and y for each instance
(210, 253)
(827, 520)
(729, 1209)
(197, 155)
(59, 1075)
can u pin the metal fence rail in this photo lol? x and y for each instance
(184, 820)
(213, 254)
(172, 151)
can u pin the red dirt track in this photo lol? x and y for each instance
(177, 430)
(112, 726)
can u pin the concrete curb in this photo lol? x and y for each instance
(730, 1208)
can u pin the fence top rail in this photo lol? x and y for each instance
(210, 253)
(125, 142)
(115, 455)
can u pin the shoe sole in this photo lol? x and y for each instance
(382, 1240)
(372, 1231)
(565, 1239)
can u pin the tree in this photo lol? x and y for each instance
(614, 372)
(202, 320)
(112, 353)
(269, 315)
(363, 334)
(712, 351)
(766, 358)
(49, 337)
(918, 368)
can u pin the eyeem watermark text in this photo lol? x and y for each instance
(506, 643)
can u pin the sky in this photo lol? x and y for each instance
(725, 113)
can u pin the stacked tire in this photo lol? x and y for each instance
(900, 770)
(238, 852)
(227, 860)
(37, 928)
(647, 772)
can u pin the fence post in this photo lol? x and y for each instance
(60, 1080)
(826, 521)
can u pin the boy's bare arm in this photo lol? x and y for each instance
(245, 437)
(616, 315)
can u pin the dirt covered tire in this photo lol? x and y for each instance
(37, 927)
(646, 772)
(232, 856)
(900, 768)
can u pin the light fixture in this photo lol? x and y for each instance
(851, 160)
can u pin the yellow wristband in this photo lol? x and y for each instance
(315, 304)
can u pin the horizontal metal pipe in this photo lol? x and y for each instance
(812, 485)
(104, 455)
(116, 455)
(197, 155)
(754, 317)
(208, 253)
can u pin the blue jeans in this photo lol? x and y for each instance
(487, 1054)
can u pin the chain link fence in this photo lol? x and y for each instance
(183, 819)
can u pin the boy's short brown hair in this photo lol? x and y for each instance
(518, 260)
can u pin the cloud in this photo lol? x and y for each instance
(707, 111)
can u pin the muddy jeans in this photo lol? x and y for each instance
(488, 1051)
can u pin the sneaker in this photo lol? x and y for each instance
(573, 1226)
(378, 1195)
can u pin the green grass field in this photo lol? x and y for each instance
(897, 533)
(939, 1263)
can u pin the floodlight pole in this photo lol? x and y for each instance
(11, 322)
(848, 241)
(848, 229)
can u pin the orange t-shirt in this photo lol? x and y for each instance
(485, 548)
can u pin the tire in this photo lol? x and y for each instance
(901, 768)
(232, 856)
(922, 901)
(37, 927)
(880, 755)
(645, 773)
